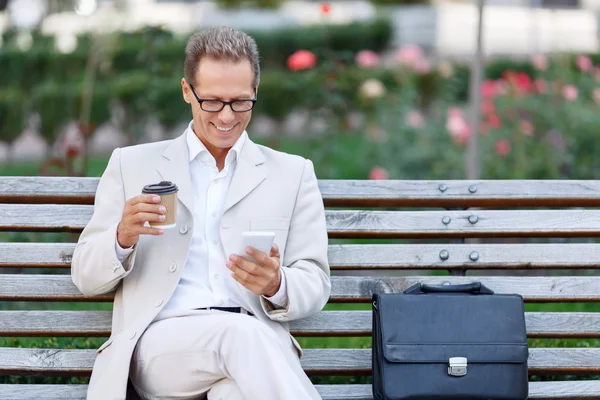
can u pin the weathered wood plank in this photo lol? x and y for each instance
(367, 224)
(377, 256)
(61, 362)
(355, 193)
(344, 288)
(567, 390)
(559, 390)
(325, 323)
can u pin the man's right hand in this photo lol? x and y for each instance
(138, 210)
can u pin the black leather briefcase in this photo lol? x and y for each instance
(449, 342)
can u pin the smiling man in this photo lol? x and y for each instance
(192, 319)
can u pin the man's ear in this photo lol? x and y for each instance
(256, 89)
(185, 90)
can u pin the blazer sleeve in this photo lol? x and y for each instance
(95, 268)
(305, 262)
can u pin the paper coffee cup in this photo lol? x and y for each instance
(168, 198)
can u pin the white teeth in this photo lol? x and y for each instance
(223, 129)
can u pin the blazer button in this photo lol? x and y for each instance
(183, 230)
(173, 267)
(158, 303)
(132, 336)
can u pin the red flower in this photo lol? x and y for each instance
(325, 8)
(520, 80)
(502, 147)
(494, 121)
(301, 59)
(378, 173)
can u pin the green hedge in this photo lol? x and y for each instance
(159, 52)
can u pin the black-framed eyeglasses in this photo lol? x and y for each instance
(217, 105)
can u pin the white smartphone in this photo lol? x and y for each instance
(260, 240)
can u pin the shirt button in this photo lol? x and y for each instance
(214, 214)
(173, 267)
(158, 303)
(216, 276)
(183, 230)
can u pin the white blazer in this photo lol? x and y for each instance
(270, 191)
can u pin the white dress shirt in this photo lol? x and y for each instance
(206, 281)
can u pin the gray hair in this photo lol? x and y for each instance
(220, 43)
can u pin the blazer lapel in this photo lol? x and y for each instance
(249, 173)
(175, 167)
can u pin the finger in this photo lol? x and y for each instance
(246, 265)
(251, 287)
(140, 218)
(262, 259)
(275, 251)
(241, 273)
(150, 231)
(145, 207)
(144, 198)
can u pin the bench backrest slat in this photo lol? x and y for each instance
(325, 323)
(360, 224)
(356, 193)
(343, 288)
(374, 256)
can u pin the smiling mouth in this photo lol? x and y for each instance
(222, 129)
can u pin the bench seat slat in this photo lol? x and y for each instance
(365, 224)
(355, 193)
(61, 362)
(325, 323)
(373, 256)
(560, 390)
(344, 288)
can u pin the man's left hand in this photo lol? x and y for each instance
(262, 278)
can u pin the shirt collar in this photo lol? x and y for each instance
(196, 147)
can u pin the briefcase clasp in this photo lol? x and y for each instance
(457, 366)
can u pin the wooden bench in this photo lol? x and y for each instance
(436, 226)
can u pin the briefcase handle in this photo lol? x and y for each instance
(473, 287)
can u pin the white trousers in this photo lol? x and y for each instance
(217, 355)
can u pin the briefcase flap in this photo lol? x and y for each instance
(441, 353)
(470, 320)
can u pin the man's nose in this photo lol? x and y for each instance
(226, 115)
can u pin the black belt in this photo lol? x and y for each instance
(237, 310)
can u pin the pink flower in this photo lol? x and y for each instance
(584, 63)
(502, 147)
(378, 173)
(455, 112)
(526, 127)
(325, 8)
(488, 107)
(459, 129)
(541, 86)
(489, 89)
(409, 55)
(367, 59)
(422, 66)
(540, 62)
(301, 59)
(494, 121)
(570, 92)
(414, 119)
(596, 95)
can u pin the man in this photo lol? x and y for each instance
(191, 319)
